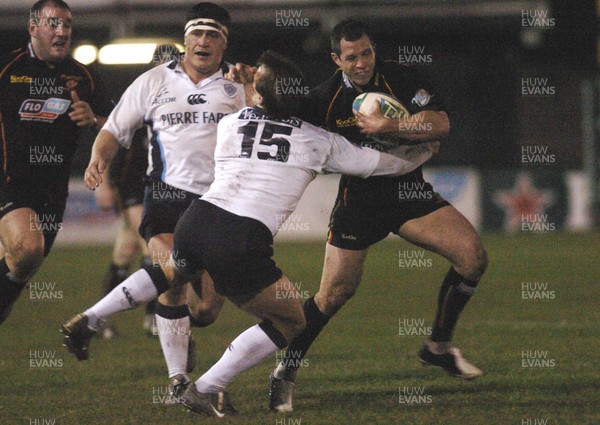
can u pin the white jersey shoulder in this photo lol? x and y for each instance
(182, 118)
(262, 165)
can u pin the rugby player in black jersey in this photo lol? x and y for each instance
(367, 211)
(47, 98)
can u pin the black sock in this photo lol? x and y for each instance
(159, 280)
(171, 312)
(273, 334)
(10, 289)
(454, 294)
(113, 277)
(315, 322)
(151, 307)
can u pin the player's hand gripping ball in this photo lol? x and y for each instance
(392, 109)
(389, 107)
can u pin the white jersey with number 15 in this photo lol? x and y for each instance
(263, 165)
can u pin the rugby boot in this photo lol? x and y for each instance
(281, 389)
(78, 336)
(209, 404)
(452, 362)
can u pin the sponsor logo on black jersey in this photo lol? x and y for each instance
(43, 110)
(196, 99)
(14, 79)
(348, 122)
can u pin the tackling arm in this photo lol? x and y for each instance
(347, 158)
(396, 165)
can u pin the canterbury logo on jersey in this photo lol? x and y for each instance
(196, 99)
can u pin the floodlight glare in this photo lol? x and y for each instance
(86, 53)
(131, 51)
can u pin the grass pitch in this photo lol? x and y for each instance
(533, 327)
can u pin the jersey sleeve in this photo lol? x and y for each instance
(129, 113)
(347, 158)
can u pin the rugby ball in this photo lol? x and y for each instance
(390, 107)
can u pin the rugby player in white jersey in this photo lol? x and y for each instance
(264, 160)
(181, 102)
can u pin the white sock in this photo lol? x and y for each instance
(174, 337)
(136, 289)
(250, 348)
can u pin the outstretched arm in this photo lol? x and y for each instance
(396, 165)
(347, 158)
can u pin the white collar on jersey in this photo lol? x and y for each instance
(349, 84)
(216, 76)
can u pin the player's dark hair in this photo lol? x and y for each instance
(350, 30)
(210, 11)
(37, 7)
(279, 85)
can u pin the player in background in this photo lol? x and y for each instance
(264, 160)
(366, 211)
(47, 99)
(182, 102)
(123, 192)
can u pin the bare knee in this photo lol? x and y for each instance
(293, 326)
(330, 300)
(26, 258)
(203, 314)
(473, 260)
(173, 297)
(289, 325)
